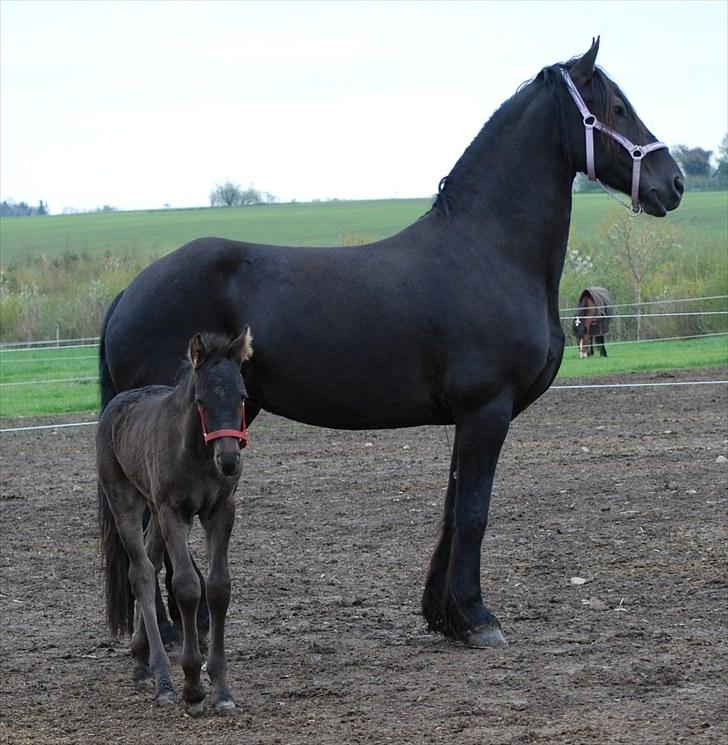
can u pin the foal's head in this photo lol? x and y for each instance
(220, 394)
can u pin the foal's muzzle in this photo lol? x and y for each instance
(227, 456)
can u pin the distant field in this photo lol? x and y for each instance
(154, 233)
(25, 390)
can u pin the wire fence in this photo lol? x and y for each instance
(580, 386)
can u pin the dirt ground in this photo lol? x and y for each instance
(623, 488)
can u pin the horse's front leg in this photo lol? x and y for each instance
(479, 436)
(218, 527)
(186, 585)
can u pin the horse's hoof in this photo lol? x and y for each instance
(486, 637)
(226, 707)
(165, 698)
(195, 710)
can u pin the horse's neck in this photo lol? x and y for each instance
(517, 185)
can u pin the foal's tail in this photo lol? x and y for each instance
(115, 562)
(119, 597)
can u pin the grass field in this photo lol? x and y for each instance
(153, 233)
(25, 390)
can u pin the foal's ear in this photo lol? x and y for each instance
(196, 351)
(242, 348)
(583, 69)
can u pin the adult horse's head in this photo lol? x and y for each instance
(220, 394)
(609, 142)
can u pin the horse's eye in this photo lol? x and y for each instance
(619, 109)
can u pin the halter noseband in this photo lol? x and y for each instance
(240, 434)
(637, 152)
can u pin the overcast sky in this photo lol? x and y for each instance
(142, 104)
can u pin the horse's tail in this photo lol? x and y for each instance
(106, 384)
(119, 597)
(115, 562)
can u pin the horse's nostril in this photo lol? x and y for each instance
(679, 185)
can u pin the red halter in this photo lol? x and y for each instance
(240, 434)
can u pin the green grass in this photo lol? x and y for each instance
(648, 356)
(28, 395)
(151, 234)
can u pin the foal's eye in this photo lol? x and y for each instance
(619, 109)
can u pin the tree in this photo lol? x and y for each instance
(231, 195)
(721, 172)
(639, 245)
(226, 195)
(694, 161)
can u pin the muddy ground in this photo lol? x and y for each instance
(620, 487)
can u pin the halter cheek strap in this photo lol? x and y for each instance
(240, 434)
(637, 152)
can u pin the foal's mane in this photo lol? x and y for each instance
(604, 91)
(216, 345)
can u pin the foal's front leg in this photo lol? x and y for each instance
(141, 576)
(186, 587)
(218, 527)
(154, 545)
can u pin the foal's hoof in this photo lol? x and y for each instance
(224, 708)
(486, 637)
(195, 710)
(143, 678)
(165, 698)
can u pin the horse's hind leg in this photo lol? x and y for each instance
(433, 597)
(602, 346)
(218, 527)
(186, 586)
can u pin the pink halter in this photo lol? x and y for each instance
(591, 123)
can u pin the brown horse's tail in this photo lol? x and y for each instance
(119, 597)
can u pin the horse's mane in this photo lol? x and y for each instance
(604, 90)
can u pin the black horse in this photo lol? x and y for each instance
(425, 327)
(176, 451)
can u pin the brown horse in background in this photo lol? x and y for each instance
(591, 323)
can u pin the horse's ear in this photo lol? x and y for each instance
(196, 351)
(583, 69)
(242, 348)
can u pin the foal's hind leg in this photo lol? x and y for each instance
(218, 527)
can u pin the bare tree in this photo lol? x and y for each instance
(639, 244)
(226, 195)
